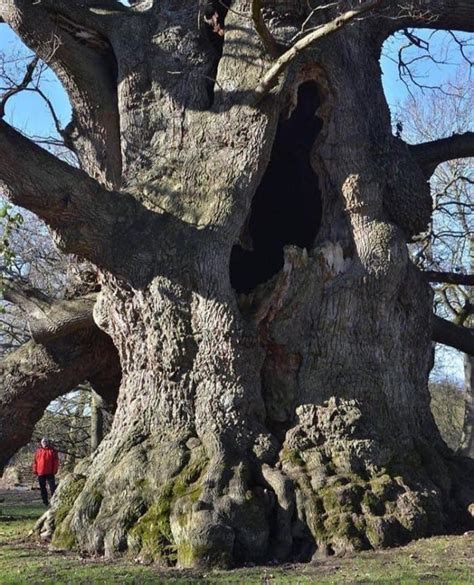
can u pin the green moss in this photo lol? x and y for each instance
(372, 504)
(373, 536)
(189, 476)
(188, 554)
(142, 484)
(292, 456)
(342, 498)
(152, 532)
(68, 496)
(64, 538)
(316, 521)
(345, 531)
(329, 499)
(384, 487)
(91, 502)
(191, 556)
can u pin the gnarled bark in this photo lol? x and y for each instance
(291, 419)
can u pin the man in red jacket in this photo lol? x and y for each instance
(45, 466)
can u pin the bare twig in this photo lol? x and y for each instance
(27, 79)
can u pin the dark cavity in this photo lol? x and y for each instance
(287, 207)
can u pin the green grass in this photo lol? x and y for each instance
(442, 560)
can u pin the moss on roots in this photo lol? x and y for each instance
(151, 536)
(70, 489)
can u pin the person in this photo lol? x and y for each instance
(45, 466)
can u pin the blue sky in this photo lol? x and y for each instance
(440, 45)
(28, 111)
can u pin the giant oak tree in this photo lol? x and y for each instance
(248, 211)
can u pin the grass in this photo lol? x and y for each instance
(442, 560)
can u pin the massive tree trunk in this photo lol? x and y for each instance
(274, 339)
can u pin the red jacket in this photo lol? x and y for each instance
(46, 461)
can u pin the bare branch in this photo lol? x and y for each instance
(430, 154)
(449, 277)
(30, 69)
(271, 77)
(453, 335)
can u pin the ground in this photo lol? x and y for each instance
(446, 560)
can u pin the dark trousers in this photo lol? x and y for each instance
(42, 479)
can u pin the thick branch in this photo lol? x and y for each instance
(435, 14)
(85, 63)
(34, 375)
(430, 154)
(95, 14)
(111, 229)
(449, 277)
(453, 335)
(271, 77)
(49, 319)
(82, 212)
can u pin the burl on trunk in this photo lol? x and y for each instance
(274, 338)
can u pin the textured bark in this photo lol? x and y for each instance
(467, 439)
(101, 419)
(291, 419)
